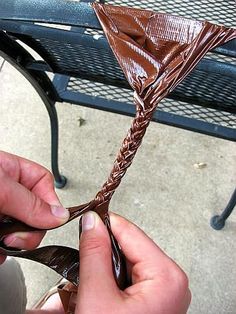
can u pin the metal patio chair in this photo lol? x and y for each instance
(72, 46)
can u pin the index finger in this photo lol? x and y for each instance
(31, 175)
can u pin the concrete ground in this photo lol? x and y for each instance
(163, 192)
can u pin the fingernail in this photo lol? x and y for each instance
(60, 212)
(16, 239)
(88, 221)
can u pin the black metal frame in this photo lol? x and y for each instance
(19, 57)
(18, 17)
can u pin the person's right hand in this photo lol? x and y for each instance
(159, 286)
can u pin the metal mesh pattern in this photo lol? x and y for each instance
(96, 89)
(221, 58)
(78, 59)
(200, 113)
(126, 96)
(208, 89)
(218, 12)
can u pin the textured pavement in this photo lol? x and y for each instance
(163, 192)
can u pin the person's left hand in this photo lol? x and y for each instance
(27, 194)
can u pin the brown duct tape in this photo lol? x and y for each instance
(156, 52)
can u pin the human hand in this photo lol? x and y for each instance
(27, 194)
(159, 286)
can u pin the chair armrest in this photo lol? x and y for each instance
(50, 11)
(67, 12)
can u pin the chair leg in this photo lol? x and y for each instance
(17, 56)
(218, 222)
(59, 180)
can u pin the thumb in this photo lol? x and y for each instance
(18, 202)
(97, 281)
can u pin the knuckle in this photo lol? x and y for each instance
(180, 279)
(35, 204)
(43, 177)
(48, 176)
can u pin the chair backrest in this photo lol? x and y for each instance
(80, 49)
(84, 50)
(79, 52)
